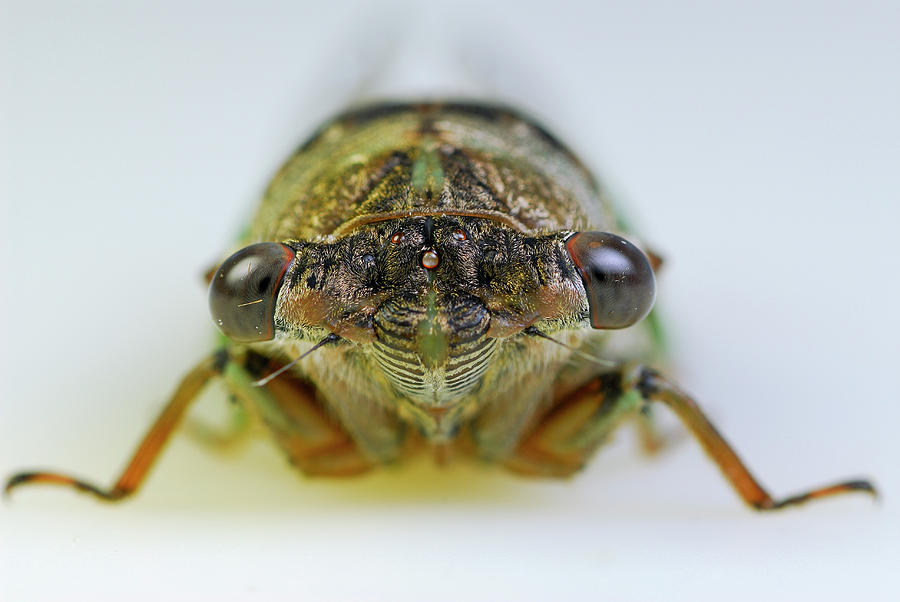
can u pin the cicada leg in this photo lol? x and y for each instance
(151, 446)
(565, 438)
(314, 441)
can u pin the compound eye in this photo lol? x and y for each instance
(617, 277)
(244, 289)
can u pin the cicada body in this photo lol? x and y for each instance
(429, 238)
(441, 278)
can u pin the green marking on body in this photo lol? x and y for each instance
(432, 340)
(427, 171)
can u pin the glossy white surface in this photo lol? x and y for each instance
(756, 146)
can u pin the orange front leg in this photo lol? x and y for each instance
(652, 386)
(149, 449)
(565, 438)
(314, 442)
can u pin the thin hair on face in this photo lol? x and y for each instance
(331, 338)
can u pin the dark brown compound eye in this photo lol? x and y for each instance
(617, 277)
(244, 289)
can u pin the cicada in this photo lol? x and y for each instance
(439, 278)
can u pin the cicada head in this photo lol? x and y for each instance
(432, 296)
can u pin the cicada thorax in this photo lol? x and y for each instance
(421, 158)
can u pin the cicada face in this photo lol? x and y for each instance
(431, 297)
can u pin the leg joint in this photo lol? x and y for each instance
(643, 379)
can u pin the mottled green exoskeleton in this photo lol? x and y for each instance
(438, 278)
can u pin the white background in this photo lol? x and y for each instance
(756, 144)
